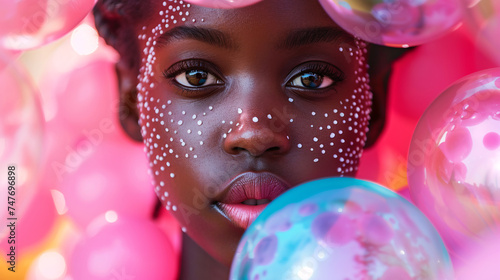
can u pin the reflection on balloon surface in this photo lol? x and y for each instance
(341, 228)
(454, 159)
(397, 23)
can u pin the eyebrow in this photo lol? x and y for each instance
(306, 36)
(207, 35)
(294, 39)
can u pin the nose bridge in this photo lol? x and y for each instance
(261, 104)
(261, 123)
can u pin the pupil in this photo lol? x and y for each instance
(311, 80)
(196, 77)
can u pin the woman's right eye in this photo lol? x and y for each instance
(194, 76)
(197, 78)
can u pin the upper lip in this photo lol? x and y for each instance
(254, 185)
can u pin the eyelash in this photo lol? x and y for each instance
(188, 65)
(184, 66)
(320, 68)
(323, 69)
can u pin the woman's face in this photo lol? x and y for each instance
(237, 106)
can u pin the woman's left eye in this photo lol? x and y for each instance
(311, 80)
(316, 75)
(196, 78)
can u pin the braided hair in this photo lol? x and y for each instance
(116, 21)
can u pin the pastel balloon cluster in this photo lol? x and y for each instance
(101, 177)
(397, 23)
(28, 24)
(341, 228)
(454, 159)
(93, 198)
(223, 4)
(125, 248)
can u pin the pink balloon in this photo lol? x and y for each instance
(483, 18)
(105, 175)
(21, 136)
(125, 249)
(454, 159)
(223, 4)
(481, 263)
(80, 98)
(38, 220)
(399, 23)
(170, 226)
(34, 225)
(83, 98)
(28, 24)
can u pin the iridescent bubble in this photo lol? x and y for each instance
(358, 230)
(483, 19)
(398, 23)
(266, 249)
(28, 24)
(454, 167)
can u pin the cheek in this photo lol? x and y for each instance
(159, 126)
(176, 141)
(335, 137)
(336, 134)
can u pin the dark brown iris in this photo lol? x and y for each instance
(311, 80)
(196, 77)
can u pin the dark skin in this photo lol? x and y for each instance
(257, 76)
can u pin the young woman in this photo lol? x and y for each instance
(235, 106)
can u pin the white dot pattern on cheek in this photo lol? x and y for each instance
(349, 119)
(327, 140)
(151, 116)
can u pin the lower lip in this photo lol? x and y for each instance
(241, 214)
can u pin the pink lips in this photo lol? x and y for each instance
(248, 194)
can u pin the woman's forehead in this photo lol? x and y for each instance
(272, 16)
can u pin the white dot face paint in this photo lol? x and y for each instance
(182, 136)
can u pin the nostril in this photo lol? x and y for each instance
(255, 140)
(237, 149)
(273, 149)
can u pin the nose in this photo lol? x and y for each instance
(258, 136)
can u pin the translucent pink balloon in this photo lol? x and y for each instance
(481, 263)
(82, 98)
(29, 24)
(398, 23)
(35, 223)
(21, 137)
(223, 4)
(125, 249)
(483, 18)
(38, 220)
(454, 159)
(101, 175)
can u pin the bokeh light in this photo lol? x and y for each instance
(51, 265)
(84, 39)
